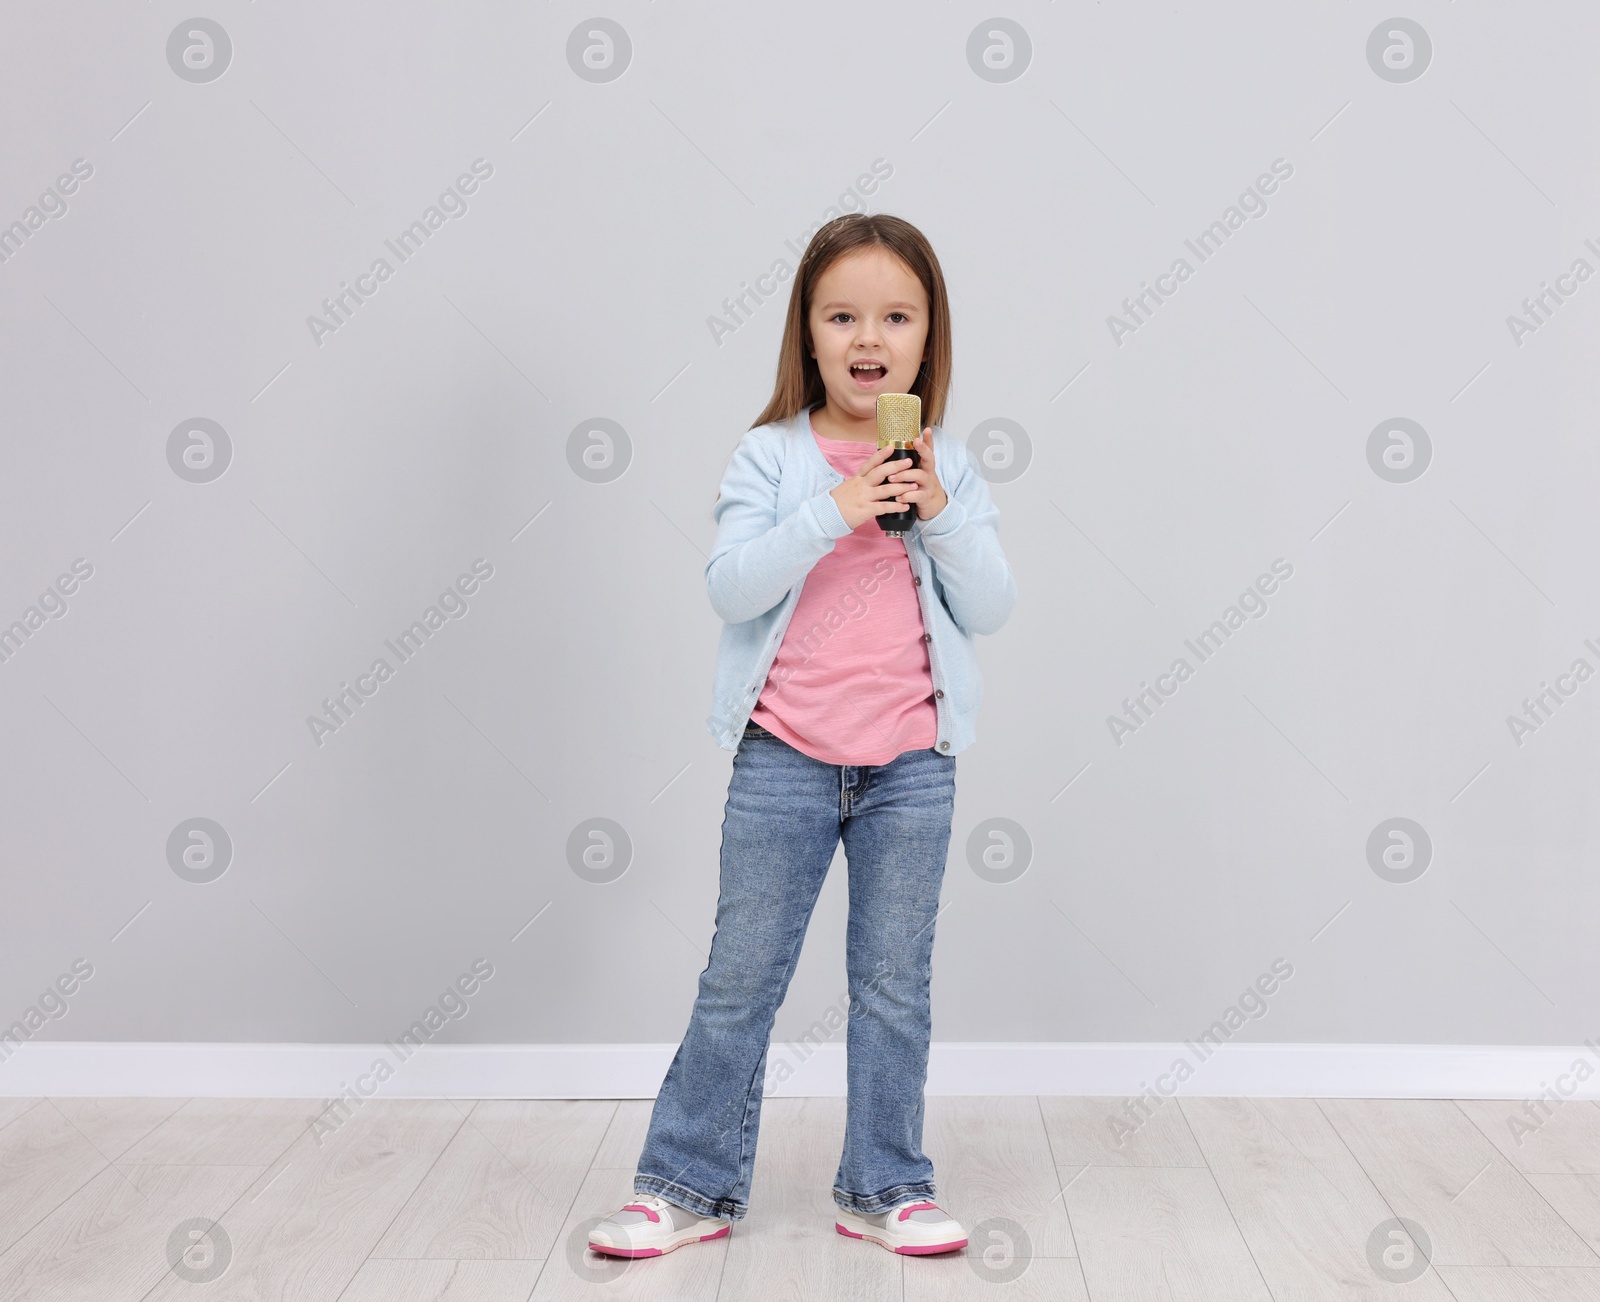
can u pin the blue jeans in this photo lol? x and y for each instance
(782, 823)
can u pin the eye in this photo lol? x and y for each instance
(901, 315)
(837, 315)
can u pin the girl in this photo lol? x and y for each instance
(846, 684)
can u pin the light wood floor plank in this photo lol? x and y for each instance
(503, 1187)
(442, 1281)
(1522, 1283)
(1147, 1233)
(572, 1273)
(1302, 1202)
(228, 1132)
(1081, 1133)
(625, 1137)
(954, 1278)
(992, 1162)
(1576, 1199)
(44, 1160)
(1434, 1166)
(787, 1249)
(308, 1224)
(11, 1109)
(1566, 1139)
(114, 1125)
(109, 1240)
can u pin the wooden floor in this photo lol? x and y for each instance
(455, 1201)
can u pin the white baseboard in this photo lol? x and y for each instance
(634, 1071)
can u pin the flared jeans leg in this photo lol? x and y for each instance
(896, 838)
(783, 820)
(780, 829)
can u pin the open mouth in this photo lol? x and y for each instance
(867, 374)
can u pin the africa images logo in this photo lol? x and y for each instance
(407, 243)
(451, 605)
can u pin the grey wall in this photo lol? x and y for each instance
(1142, 883)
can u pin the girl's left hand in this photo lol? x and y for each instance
(923, 486)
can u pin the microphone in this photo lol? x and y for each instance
(899, 426)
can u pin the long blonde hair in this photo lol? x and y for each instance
(799, 383)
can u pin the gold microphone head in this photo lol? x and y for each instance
(899, 419)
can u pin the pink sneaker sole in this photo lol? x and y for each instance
(921, 1250)
(657, 1252)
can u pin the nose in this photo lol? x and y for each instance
(867, 348)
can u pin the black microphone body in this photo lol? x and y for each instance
(898, 523)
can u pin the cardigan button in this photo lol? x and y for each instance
(927, 637)
(938, 691)
(916, 580)
(944, 745)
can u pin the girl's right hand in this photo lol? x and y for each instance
(865, 496)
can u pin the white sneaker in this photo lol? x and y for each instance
(649, 1226)
(916, 1226)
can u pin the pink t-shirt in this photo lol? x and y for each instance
(851, 683)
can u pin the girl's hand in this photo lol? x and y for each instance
(866, 495)
(925, 491)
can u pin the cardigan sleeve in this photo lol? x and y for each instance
(756, 558)
(963, 541)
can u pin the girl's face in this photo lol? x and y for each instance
(869, 329)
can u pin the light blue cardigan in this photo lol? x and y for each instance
(776, 518)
